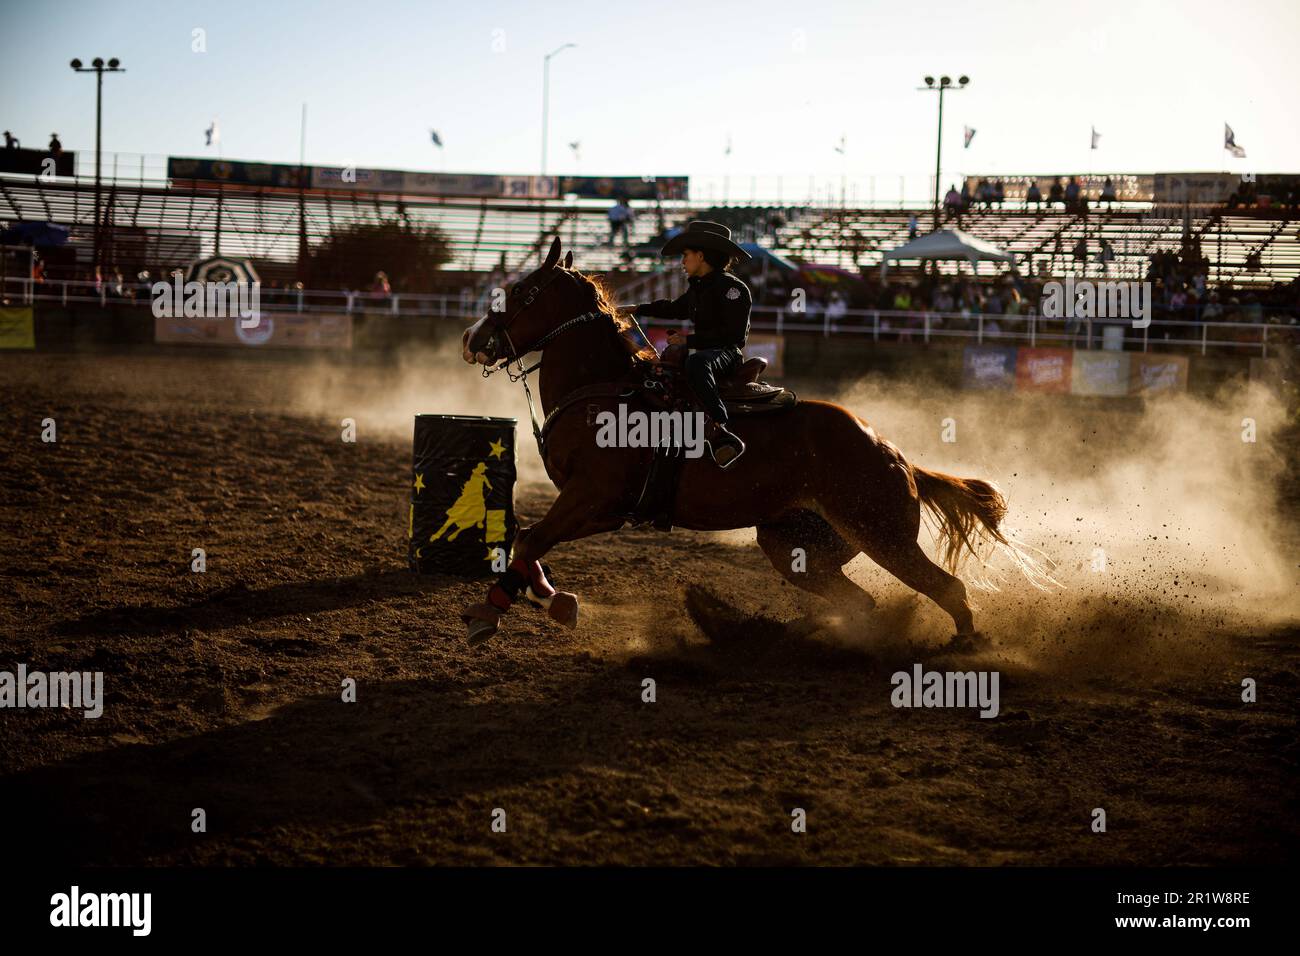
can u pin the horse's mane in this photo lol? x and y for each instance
(603, 298)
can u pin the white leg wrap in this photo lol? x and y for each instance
(545, 602)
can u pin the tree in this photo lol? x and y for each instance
(408, 254)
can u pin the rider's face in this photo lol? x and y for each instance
(693, 263)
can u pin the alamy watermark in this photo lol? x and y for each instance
(208, 300)
(638, 429)
(76, 908)
(1086, 299)
(922, 688)
(83, 690)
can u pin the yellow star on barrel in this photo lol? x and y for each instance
(498, 449)
(419, 482)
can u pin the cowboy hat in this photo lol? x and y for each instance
(702, 234)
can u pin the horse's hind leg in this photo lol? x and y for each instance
(891, 543)
(896, 549)
(824, 554)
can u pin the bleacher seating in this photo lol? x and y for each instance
(264, 224)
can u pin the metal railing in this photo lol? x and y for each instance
(1186, 332)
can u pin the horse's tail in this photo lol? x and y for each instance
(961, 507)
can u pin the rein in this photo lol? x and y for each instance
(522, 374)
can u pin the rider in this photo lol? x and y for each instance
(717, 304)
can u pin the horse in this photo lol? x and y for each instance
(815, 477)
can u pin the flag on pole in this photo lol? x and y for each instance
(969, 133)
(213, 134)
(1230, 142)
(843, 142)
(576, 146)
(437, 140)
(1096, 137)
(727, 151)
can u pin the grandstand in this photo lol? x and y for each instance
(151, 221)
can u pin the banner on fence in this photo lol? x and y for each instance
(989, 367)
(1150, 374)
(1043, 369)
(1100, 373)
(17, 328)
(281, 330)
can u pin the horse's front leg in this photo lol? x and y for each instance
(576, 513)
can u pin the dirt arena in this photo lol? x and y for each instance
(1120, 690)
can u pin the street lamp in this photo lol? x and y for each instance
(546, 95)
(945, 84)
(99, 69)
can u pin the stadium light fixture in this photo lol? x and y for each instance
(546, 96)
(99, 69)
(945, 84)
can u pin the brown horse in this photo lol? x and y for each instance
(815, 477)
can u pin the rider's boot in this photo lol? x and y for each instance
(725, 445)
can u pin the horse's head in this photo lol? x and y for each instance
(531, 308)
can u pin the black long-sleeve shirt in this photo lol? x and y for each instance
(717, 304)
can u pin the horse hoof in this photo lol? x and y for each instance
(481, 622)
(564, 608)
(969, 643)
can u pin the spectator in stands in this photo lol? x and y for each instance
(836, 306)
(984, 193)
(965, 196)
(1072, 194)
(912, 226)
(56, 148)
(1034, 195)
(620, 218)
(999, 193)
(1056, 193)
(952, 204)
(11, 141)
(1080, 251)
(380, 288)
(1107, 192)
(1106, 256)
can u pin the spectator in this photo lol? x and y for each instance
(620, 218)
(1106, 256)
(1080, 250)
(836, 307)
(952, 203)
(999, 193)
(11, 141)
(1034, 195)
(1056, 194)
(56, 148)
(912, 226)
(1072, 194)
(965, 196)
(1107, 192)
(380, 287)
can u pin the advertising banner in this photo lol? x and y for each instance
(1043, 369)
(989, 367)
(235, 172)
(17, 328)
(1150, 374)
(1100, 373)
(279, 330)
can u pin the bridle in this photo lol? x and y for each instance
(501, 327)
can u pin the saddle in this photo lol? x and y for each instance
(663, 384)
(741, 391)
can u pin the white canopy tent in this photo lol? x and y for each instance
(947, 244)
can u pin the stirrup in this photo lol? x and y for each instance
(720, 452)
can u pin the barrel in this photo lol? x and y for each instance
(462, 517)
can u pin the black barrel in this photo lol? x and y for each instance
(462, 494)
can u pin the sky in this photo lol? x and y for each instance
(660, 88)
